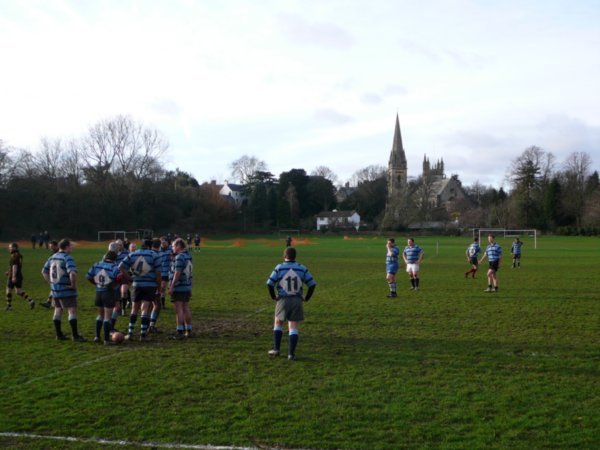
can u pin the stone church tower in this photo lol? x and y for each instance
(397, 184)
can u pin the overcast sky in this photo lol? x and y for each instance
(301, 84)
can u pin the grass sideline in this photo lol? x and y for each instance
(448, 366)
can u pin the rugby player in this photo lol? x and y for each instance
(515, 250)
(285, 287)
(413, 256)
(122, 253)
(391, 266)
(472, 253)
(493, 253)
(156, 303)
(105, 275)
(145, 273)
(180, 288)
(14, 276)
(60, 272)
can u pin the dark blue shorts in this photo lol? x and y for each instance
(391, 268)
(143, 294)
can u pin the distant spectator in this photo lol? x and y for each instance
(33, 240)
(46, 239)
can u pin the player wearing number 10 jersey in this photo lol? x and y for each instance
(285, 287)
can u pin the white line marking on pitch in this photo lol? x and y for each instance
(123, 442)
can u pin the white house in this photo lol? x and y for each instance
(233, 192)
(338, 220)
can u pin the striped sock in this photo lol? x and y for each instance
(132, 321)
(145, 324)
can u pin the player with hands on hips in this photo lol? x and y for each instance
(285, 287)
(413, 257)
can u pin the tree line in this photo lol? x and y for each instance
(113, 178)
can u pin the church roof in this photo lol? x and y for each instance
(397, 156)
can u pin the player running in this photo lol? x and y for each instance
(391, 266)
(472, 253)
(413, 256)
(14, 276)
(288, 278)
(493, 252)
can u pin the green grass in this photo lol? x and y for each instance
(445, 367)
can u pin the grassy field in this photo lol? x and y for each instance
(448, 366)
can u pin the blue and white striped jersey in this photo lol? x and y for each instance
(493, 252)
(121, 256)
(104, 274)
(59, 266)
(182, 264)
(165, 267)
(144, 265)
(392, 256)
(473, 250)
(288, 278)
(412, 253)
(516, 248)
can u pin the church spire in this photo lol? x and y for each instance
(397, 184)
(397, 155)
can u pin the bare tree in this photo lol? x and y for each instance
(6, 164)
(476, 192)
(73, 160)
(325, 172)
(48, 159)
(123, 147)
(369, 173)
(24, 164)
(244, 168)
